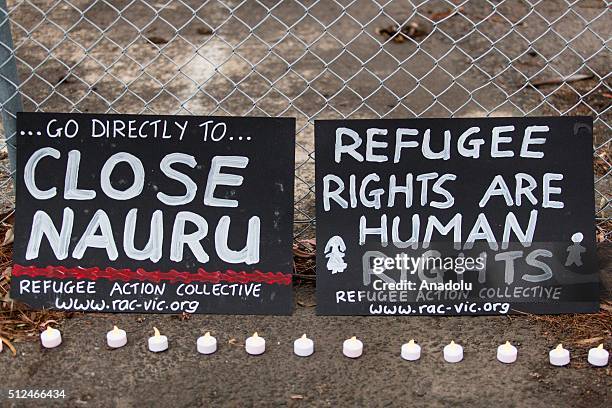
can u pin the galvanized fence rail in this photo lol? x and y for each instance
(310, 59)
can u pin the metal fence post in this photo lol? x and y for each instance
(10, 98)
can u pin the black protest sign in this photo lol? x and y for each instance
(455, 216)
(164, 214)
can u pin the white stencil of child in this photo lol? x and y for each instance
(334, 250)
(575, 251)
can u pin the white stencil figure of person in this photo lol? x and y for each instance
(575, 251)
(334, 250)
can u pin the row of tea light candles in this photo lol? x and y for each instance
(353, 347)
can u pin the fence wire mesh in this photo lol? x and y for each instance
(316, 59)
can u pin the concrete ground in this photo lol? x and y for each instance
(93, 375)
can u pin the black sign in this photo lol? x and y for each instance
(163, 214)
(455, 216)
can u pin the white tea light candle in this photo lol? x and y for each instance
(559, 356)
(411, 351)
(51, 337)
(157, 342)
(116, 338)
(507, 353)
(207, 344)
(598, 356)
(453, 352)
(352, 347)
(303, 346)
(255, 345)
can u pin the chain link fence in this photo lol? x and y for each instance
(311, 59)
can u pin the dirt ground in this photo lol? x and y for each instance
(117, 56)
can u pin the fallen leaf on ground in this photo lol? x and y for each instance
(66, 79)
(297, 251)
(606, 306)
(590, 341)
(157, 39)
(561, 80)
(9, 237)
(204, 31)
(234, 342)
(184, 316)
(305, 304)
(9, 345)
(44, 325)
(410, 30)
(305, 248)
(443, 14)
(535, 375)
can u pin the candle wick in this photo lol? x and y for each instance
(560, 347)
(255, 334)
(600, 346)
(353, 338)
(115, 329)
(452, 343)
(207, 334)
(304, 335)
(156, 331)
(411, 341)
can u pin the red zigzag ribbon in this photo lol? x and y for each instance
(171, 276)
